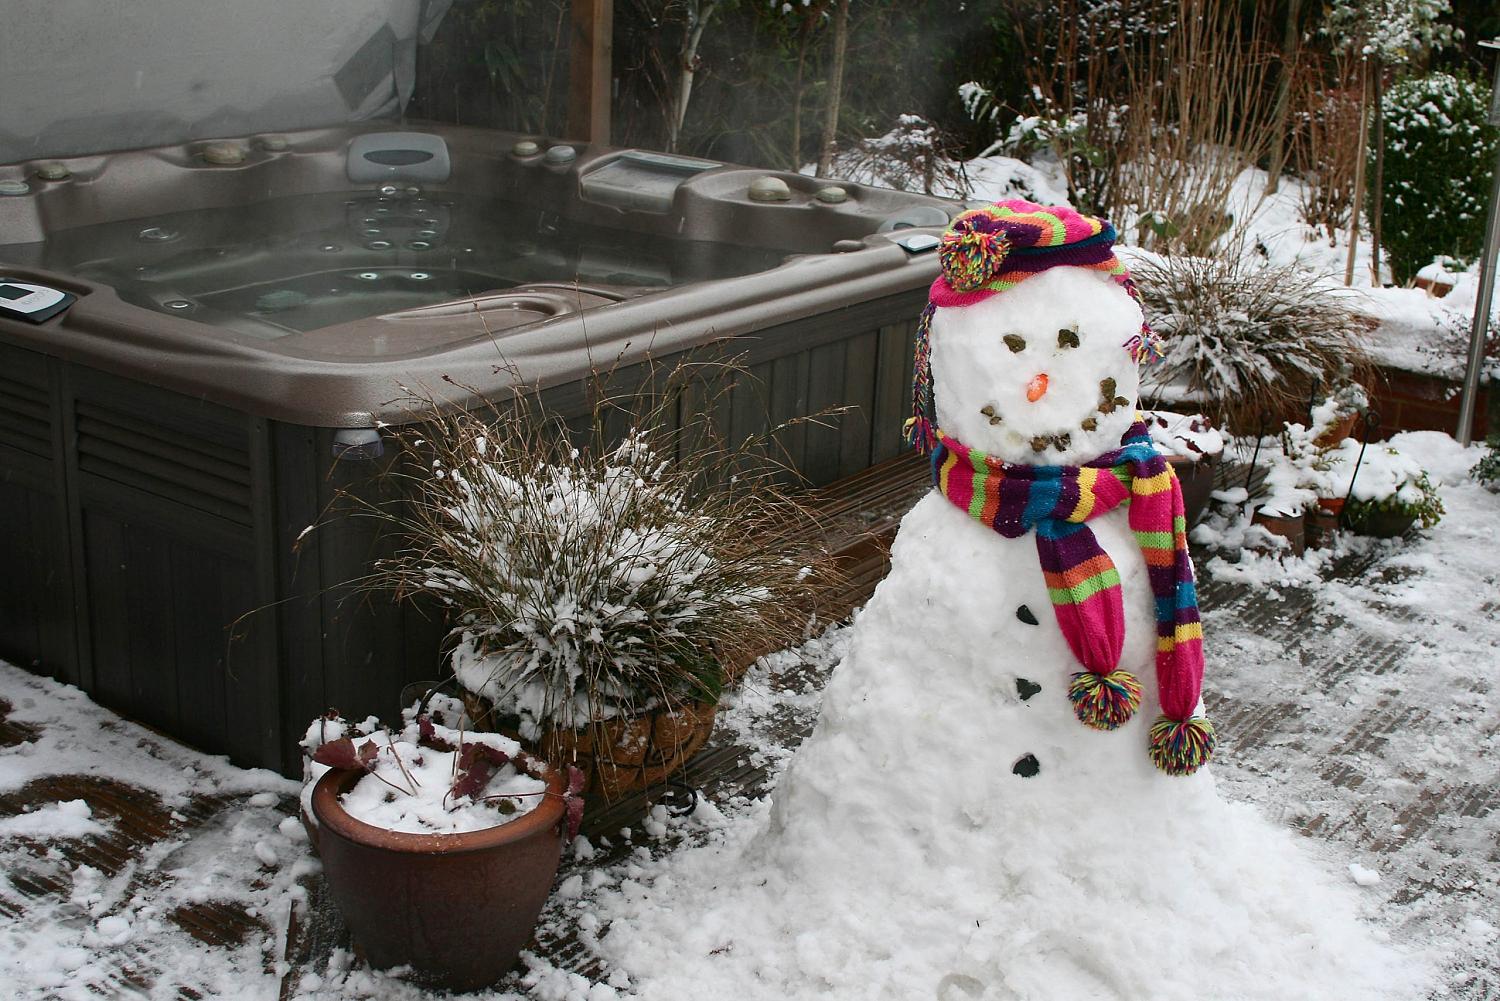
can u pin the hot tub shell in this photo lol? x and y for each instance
(158, 475)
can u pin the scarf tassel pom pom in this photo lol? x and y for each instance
(1104, 701)
(1181, 747)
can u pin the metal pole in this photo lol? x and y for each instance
(1359, 167)
(1486, 279)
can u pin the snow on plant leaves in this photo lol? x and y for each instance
(477, 764)
(342, 753)
(427, 735)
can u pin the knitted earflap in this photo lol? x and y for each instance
(920, 429)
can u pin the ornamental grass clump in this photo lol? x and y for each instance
(588, 582)
(1245, 340)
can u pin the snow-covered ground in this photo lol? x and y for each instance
(1359, 707)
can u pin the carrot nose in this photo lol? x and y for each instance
(1037, 387)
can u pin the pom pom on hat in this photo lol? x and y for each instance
(971, 256)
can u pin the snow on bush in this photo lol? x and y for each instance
(1438, 158)
(1243, 337)
(913, 156)
(1487, 469)
(586, 583)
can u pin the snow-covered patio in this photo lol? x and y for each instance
(1353, 690)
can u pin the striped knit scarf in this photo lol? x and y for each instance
(1056, 503)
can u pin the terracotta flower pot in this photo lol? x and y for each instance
(1293, 530)
(1320, 527)
(1341, 429)
(458, 908)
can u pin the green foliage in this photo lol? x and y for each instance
(1487, 470)
(1393, 31)
(1438, 158)
(1427, 509)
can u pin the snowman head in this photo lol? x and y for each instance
(1030, 344)
(1039, 375)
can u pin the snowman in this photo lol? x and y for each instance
(1035, 436)
(1005, 794)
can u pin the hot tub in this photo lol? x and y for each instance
(249, 309)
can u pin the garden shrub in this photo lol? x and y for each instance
(1438, 158)
(1245, 338)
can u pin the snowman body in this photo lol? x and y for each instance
(958, 656)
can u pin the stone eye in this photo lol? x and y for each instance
(1067, 338)
(1107, 388)
(1015, 342)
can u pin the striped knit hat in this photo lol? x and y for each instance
(994, 248)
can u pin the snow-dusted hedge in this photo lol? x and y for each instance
(585, 582)
(1243, 337)
(1438, 157)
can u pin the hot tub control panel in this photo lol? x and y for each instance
(36, 303)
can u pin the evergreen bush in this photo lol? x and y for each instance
(1438, 158)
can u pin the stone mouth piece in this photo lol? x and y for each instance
(1063, 440)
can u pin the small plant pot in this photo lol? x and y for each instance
(1292, 529)
(1368, 520)
(457, 908)
(1436, 287)
(1342, 428)
(620, 756)
(1197, 481)
(1321, 527)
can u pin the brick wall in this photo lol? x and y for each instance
(1408, 401)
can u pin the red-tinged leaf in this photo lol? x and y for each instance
(575, 815)
(367, 754)
(477, 764)
(427, 735)
(573, 801)
(1193, 446)
(338, 754)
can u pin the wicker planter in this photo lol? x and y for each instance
(620, 756)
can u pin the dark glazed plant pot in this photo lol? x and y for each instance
(1368, 520)
(457, 908)
(1197, 479)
